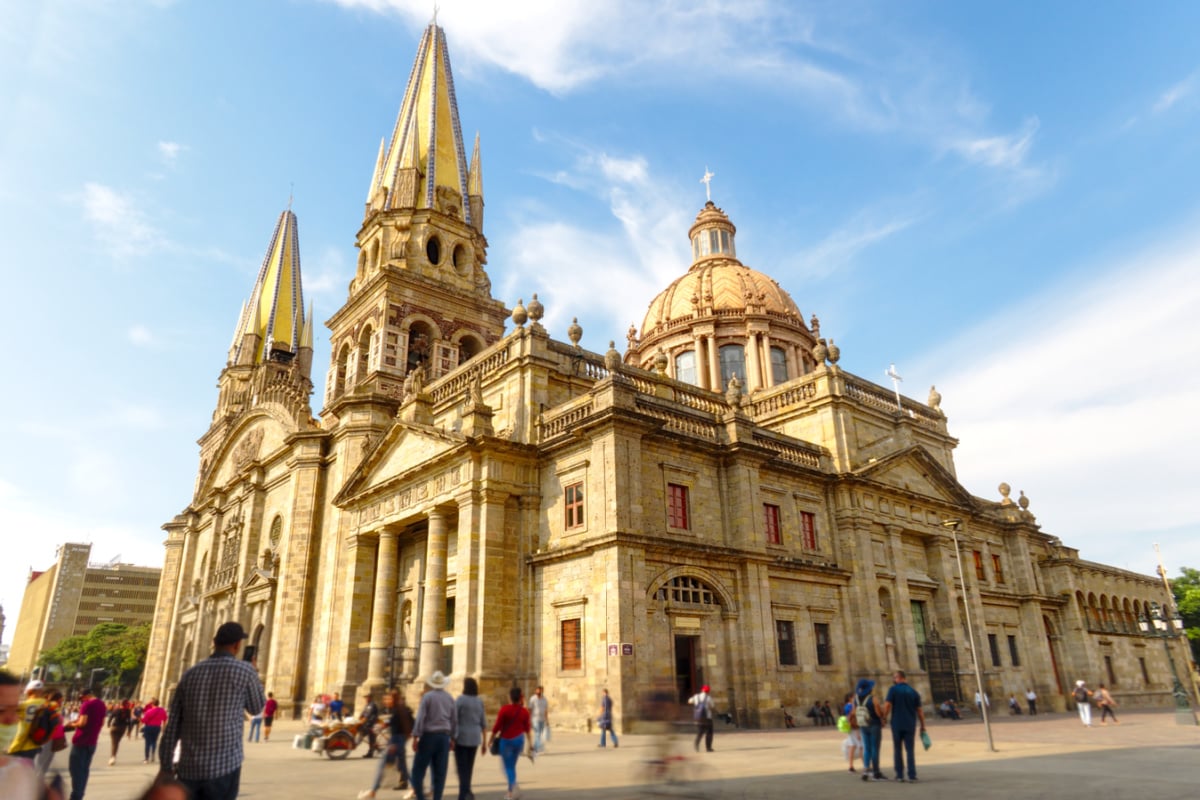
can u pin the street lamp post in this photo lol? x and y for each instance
(955, 525)
(1158, 621)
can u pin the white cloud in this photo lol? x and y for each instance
(841, 246)
(1085, 398)
(1005, 152)
(1173, 95)
(141, 336)
(169, 151)
(119, 225)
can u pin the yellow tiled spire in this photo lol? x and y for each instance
(427, 134)
(273, 323)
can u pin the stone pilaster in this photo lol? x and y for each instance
(383, 616)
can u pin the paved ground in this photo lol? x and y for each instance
(1049, 756)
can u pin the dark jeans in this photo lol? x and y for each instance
(903, 742)
(464, 765)
(1032, 707)
(433, 749)
(704, 730)
(872, 743)
(222, 788)
(150, 734)
(79, 764)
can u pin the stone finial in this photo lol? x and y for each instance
(835, 352)
(733, 394)
(820, 352)
(632, 336)
(612, 359)
(660, 363)
(574, 332)
(1023, 501)
(536, 309)
(1005, 491)
(815, 324)
(519, 315)
(935, 399)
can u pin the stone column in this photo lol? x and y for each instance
(433, 609)
(714, 366)
(698, 344)
(383, 616)
(768, 367)
(753, 374)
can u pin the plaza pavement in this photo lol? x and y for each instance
(1048, 756)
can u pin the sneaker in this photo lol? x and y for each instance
(879, 776)
(112, 761)
(912, 780)
(899, 779)
(365, 793)
(866, 777)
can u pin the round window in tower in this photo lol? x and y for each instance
(461, 258)
(433, 250)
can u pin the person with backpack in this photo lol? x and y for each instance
(852, 747)
(1083, 702)
(702, 714)
(36, 724)
(870, 724)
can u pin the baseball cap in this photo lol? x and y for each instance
(34, 685)
(230, 633)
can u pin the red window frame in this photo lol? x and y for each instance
(573, 505)
(677, 506)
(771, 523)
(808, 530)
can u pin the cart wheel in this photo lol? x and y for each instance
(339, 744)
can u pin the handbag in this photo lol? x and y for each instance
(494, 746)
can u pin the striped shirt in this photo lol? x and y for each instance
(206, 717)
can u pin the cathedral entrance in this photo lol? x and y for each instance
(689, 673)
(941, 664)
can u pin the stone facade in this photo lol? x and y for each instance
(519, 509)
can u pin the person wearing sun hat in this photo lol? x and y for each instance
(435, 729)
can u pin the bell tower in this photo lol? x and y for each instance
(420, 297)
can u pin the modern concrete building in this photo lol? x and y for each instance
(73, 596)
(721, 503)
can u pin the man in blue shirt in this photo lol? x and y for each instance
(903, 706)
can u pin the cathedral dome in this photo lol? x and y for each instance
(722, 318)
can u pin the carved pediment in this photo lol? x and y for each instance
(915, 470)
(405, 447)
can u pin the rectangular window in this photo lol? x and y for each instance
(1108, 667)
(572, 644)
(771, 522)
(997, 570)
(979, 571)
(779, 365)
(685, 367)
(918, 621)
(808, 530)
(573, 505)
(1012, 651)
(824, 646)
(994, 646)
(677, 506)
(785, 635)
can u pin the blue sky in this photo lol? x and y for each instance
(998, 198)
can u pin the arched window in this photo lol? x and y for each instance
(468, 348)
(733, 362)
(343, 362)
(685, 367)
(686, 589)
(364, 353)
(420, 344)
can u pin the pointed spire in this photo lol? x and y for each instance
(375, 175)
(274, 318)
(427, 133)
(306, 338)
(475, 176)
(237, 334)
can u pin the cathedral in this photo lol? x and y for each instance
(719, 503)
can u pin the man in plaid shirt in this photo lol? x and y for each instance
(207, 719)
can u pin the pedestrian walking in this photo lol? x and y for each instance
(152, 721)
(539, 717)
(1031, 701)
(17, 775)
(206, 719)
(436, 726)
(400, 727)
(256, 722)
(1083, 702)
(605, 719)
(902, 706)
(87, 727)
(1105, 701)
(852, 747)
(701, 703)
(472, 725)
(369, 717)
(120, 718)
(514, 731)
(269, 715)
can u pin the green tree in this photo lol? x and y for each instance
(1186, 590)
(118, 649)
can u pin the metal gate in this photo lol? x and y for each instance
(941, 665)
